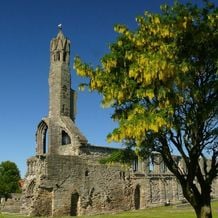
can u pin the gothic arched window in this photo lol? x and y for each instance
(42, 138)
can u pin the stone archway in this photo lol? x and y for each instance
(137, 197)
(74, 204)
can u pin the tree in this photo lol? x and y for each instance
(162, 81)
(9, 179)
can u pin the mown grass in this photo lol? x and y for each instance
(160, 212)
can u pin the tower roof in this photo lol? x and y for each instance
(60, 42)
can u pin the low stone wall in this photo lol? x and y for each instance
(12, 204)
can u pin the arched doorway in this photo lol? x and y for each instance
(74, 204)
(137, 197)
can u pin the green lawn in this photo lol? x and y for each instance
(160, 212)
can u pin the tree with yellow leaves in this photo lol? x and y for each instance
(162, 81)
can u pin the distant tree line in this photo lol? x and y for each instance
(9, 179)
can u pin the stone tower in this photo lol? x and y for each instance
(60, 102)
(57, 133)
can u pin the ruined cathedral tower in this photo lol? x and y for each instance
(57, 137)
(65, 176)
(58, 128)
(60, 102)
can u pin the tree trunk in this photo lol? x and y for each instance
(203, 211)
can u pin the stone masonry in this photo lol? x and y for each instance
(65, 176)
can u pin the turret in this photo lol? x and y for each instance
(60, 49)
(61, 96)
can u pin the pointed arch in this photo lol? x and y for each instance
(137, 197)
(41, 138)
(74, 208)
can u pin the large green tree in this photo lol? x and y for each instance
(162, 81)
(9, 178)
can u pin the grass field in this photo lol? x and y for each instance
(160, 212)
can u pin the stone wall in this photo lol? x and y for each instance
(73, 186)
(163, 189)
(12, 204)
(77, 185)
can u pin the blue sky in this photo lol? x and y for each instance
(27, 26)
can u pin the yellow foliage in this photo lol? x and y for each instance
(184, 68)
(120, 43)
(156, 20)
(120, 96)
(131, 72)
(128, 55)
(165, 32)
(151, 62)
(184, 24)
(153, 127)
(150, 93)
(110, 63)
(139, 42)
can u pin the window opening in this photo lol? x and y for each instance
(45, 141)
(135, 165)
(65, 138)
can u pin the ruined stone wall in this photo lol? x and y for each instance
(77, 185)
(95, 153)
(99, 188)
(12, 204)
(162, 185)
(214, 193)
(163, 189)
(36, 171)
(73, 187)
